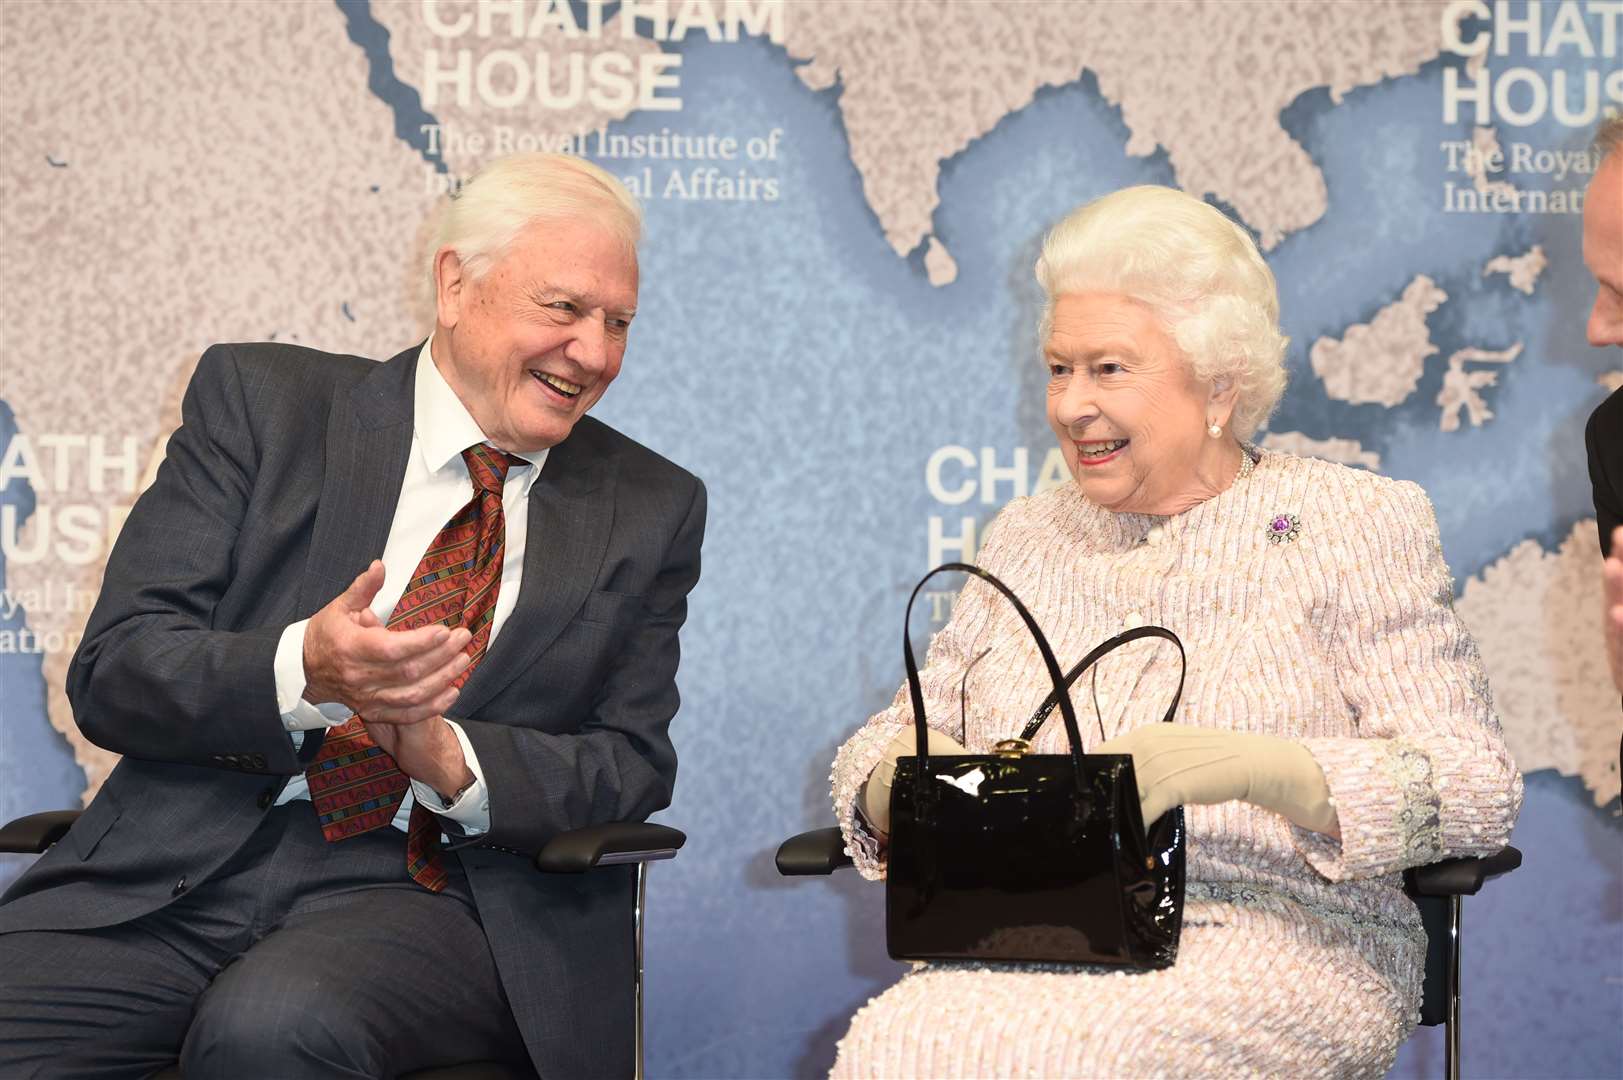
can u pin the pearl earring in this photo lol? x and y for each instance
(1214, 431)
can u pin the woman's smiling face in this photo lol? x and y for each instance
(1130, 416)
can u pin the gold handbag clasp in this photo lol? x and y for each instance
(1012, 748)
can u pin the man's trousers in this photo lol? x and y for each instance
(298, 958)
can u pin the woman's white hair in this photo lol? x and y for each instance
(1197, 270)
(495, 205)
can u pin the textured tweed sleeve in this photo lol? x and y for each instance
(1429, 777)
(951, 652)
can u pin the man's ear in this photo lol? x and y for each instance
(450, 287)
(1220, 400)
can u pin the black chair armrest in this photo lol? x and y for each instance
(31, 835)
(578, 850)
(1459, 877)
(821, 851)
(573, 852)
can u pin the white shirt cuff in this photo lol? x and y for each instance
(288, 668)
(472, 810)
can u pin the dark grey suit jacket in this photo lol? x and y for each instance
(277, 490)
(1603, 439)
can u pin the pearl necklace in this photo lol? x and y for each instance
(1247, 463)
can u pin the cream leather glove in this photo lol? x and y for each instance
(876, 792)
(1176, 764)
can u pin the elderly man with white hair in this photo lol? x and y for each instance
(1335, 727)
(373, 636)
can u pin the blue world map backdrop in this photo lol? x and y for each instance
(837, 331)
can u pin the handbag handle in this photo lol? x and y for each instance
(1135, 634)
(1054, 673)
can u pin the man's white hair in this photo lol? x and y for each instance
(1197, 270)
(1608, 137)
(510, 193)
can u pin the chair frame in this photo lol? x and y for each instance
(617, 844)
(572, 852)
(1438, 890)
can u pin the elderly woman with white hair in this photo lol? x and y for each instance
(1335, 726)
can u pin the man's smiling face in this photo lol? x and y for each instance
(532, 343)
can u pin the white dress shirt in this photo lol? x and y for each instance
(436, 486)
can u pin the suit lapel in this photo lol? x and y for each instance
(368, 442)
(571, 512)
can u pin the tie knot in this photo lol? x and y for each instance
(488, 467)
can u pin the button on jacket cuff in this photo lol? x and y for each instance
(288, 667)
(472, 810)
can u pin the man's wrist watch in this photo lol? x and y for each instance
(447, 801)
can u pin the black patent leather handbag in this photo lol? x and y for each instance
(1014, 856)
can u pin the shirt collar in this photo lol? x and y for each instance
(444, 427)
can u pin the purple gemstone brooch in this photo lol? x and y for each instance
(1284, 528)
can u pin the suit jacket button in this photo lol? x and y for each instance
(266, 797)
(259, 761)
(180, 887)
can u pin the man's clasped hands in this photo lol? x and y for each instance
(400, 682)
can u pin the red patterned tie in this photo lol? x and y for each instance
(355, 786)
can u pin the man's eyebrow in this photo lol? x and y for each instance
(547, 289)
(547, 292)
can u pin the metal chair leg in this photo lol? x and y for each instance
(636, 923)
(1451, 1028)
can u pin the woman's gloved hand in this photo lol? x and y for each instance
(876, 792)
(1176, 764)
